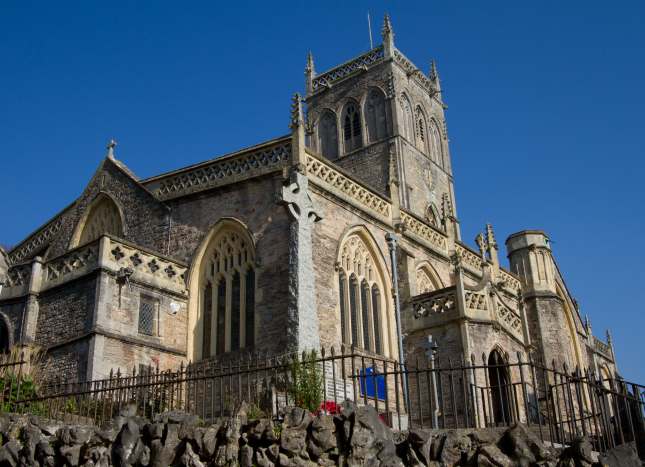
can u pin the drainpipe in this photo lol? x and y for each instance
(391, 240)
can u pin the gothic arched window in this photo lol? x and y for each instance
(352, 127)
(362, 306)
(436, 150)
(420, 130)
(328, 135)
(375, 116)
(431, 215)
(228, 293)
(103, 217)
(426, 281)
(408, 120)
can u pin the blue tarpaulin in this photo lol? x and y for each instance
(367, 381)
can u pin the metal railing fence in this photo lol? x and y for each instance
(557, 403)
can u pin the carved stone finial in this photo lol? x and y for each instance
(490, 237)
(608, 337)
(481, 244)
(296, 111)
(434, 74)
(110, 148)
(587, 322)
(387, 27)
(310, 64)
(446, 206)
(388, 37)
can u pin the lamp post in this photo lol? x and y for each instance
(431, 352)
(391, 240)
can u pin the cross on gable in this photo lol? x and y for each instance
(296, 196)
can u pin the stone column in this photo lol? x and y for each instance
(302, 329)
(30, 315)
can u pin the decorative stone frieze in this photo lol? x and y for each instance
(36, 241)
(414, 72)
(75, 263)
(438, 302)
(327, 177)
(475, 301)
(602, 348)
(470, 259)
(146, 267)
(424, 231)
(17, 281)
(236, 167)
(362, 62)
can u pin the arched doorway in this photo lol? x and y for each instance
(499, 389)
(5, 335)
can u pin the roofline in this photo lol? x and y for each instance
(216, 158)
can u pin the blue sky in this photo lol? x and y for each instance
(545, 111)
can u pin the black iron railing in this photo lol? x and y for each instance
(557, 403)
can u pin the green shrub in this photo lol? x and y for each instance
(306, 386)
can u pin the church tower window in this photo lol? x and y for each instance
(361, 304)
(420, 120)
(352, 127)
(436, 150)
(408, 121)
(228, 306)
(328, 135)
(375, 116)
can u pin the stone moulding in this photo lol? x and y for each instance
(146, 267)
(36, 241)
(332, 180)
(325, 80)
(433, 303)
(602, 348)
(17, 281)
(243, 165)
(424, 232)
(107, 252)
(73, 264)
(470, 259)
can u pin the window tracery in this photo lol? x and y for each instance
(103, 218)
(362, 303)
(328, 135)
(375, 116)
(420, 130)
(436, 149)
(408, 120)
(425, 283)
(228, 294)
(352, 127)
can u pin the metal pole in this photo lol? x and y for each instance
(391, 240)
(431, 349)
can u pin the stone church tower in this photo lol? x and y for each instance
(343, 233)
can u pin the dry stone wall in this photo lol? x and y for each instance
(355, 437)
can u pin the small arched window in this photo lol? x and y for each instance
(352, 127)
(436, 149)
(328, 135)
(375, 116)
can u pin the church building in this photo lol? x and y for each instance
(319, 238)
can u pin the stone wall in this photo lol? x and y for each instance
(354, 437)
(65, 312)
